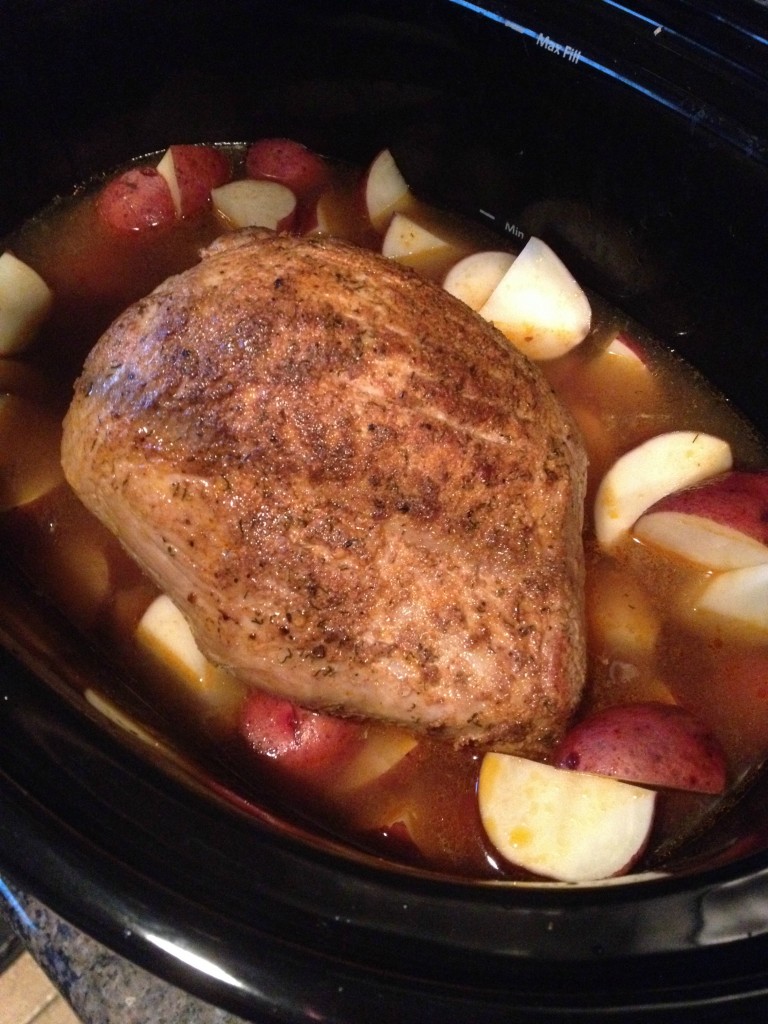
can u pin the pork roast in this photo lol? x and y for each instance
(358, 493)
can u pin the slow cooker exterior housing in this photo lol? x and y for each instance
(634, 138)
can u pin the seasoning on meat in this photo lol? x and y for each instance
(361, 496)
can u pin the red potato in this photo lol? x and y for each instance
(406, 238)
(384, 748)
(25, 301)
(319, 218)
(622, 617)
(30, 438)
(644, 475)
(739, 597)
(338, 211)
(391, 819)
(290, 163)
(192, 172)
(720, 524)
(421, 820)
(651, 744)
(400, 839)
(623, 346)
(263, 204)
(303, 743)
(385, 191)
(623, 367)
(538, 305)
(136, 201)
(564, 825)
(475, 277)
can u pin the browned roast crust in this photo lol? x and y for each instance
(358, 493)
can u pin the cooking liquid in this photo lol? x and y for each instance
(424, 809)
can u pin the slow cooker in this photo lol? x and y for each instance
(642, 127)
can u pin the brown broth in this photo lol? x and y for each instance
(74, 561)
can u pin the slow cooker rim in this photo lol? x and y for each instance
(181, 790)
(721, 877)
(150, 912)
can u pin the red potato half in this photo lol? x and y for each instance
(645, 474)
(25, 300)
(739, 596)
(385, 190)
(321, 218)
(473, 278)
(384, 747)
(302, 743)
(406, 238)
(622, 617)
(192, 172)
(336, 211)
(30, 439)
(538, 305)
(623, 368)
(623, 347)
(165, 633)
(649, 744)
(290, 163)
(623, 364)
(137, 200)
(563, 825)
(259, 204)
(721, 524)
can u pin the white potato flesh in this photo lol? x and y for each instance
(386, 190)
(250, 203)
(645, 474)
(474, 278)
(740, 595)
(323, 217)
(25, 300)
(538, 305)
(618, 348)
(385, 746)
(700, 541)
(30, 439)
(85, 560)
(167, 168)
(165, 633)
(406, 237)
(564, 825)
(622, 614)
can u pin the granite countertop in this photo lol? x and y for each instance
(101, 987)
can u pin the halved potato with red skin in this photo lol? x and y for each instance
(288, 162)
(650, 744)
(192, 172)
(137, 200)
(720, 524)
(569, 826)
(299, 741)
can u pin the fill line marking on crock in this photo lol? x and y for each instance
(633, 13)
(536, 35)
(721, 18)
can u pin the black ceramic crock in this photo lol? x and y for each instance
(632, 135)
